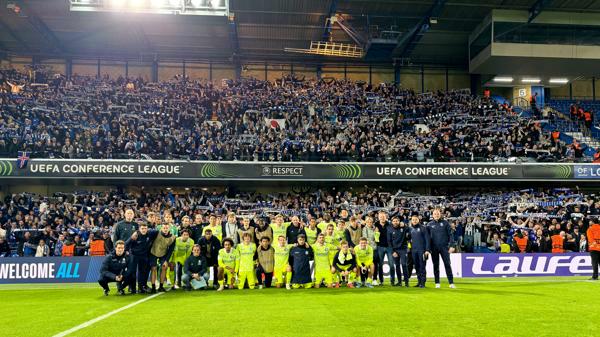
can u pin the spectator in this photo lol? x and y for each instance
(4, 247)
(42, 249)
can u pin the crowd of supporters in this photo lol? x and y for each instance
(291, 119)
(34, 225)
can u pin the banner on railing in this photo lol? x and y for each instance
(290, 171)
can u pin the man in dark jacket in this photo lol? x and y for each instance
(4, 247)
(194, 268)
(299, 260)
(419, 240)
(442, 243)
(138, 246)
(124, 228)
(293, 230)
(209, 247)
(114, 269)
(196, 228)
(398, 239)
(383, 248)
(108, 243)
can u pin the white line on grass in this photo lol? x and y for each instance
(99, 318)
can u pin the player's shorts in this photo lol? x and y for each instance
(304, 285)
(366, 266)
(279, 274)
(323, 275)
(344, 268)
(246, 275)
(227, 274)
(155, 260)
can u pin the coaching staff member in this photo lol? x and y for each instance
(442, 243)
(138, 246)
(419, 240)
(114, 269)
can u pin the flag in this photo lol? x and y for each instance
(22, 159)
(275, 123)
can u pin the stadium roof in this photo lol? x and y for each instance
(47, 28)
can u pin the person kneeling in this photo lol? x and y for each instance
(195, 273)
(228, 260)
(344, 263)
(114, 269)
(299, 260)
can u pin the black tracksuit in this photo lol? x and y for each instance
(398, 240)
(419, 239)
(210, 251)
(196, 232)
(112, 267)
(299, 259)
(139, 251)
(441, 240)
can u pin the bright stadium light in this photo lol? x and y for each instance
(177, 7)
(559, 80)
(531, 80)
(503, 79)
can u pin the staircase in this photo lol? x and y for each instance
(589, 141)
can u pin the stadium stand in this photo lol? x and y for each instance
(475, 217)
(326, 120)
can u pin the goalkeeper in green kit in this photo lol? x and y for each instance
(183, 249)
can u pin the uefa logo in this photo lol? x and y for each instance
(266, 171)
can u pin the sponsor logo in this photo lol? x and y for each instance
(6, 168)
(266, 171)
(490, 265)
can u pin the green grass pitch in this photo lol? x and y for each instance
(478, 307)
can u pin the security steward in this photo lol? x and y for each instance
(593, 235)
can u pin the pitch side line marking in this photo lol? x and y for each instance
(105, 316)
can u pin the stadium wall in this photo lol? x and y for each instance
(87, 269)
(578, 89)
